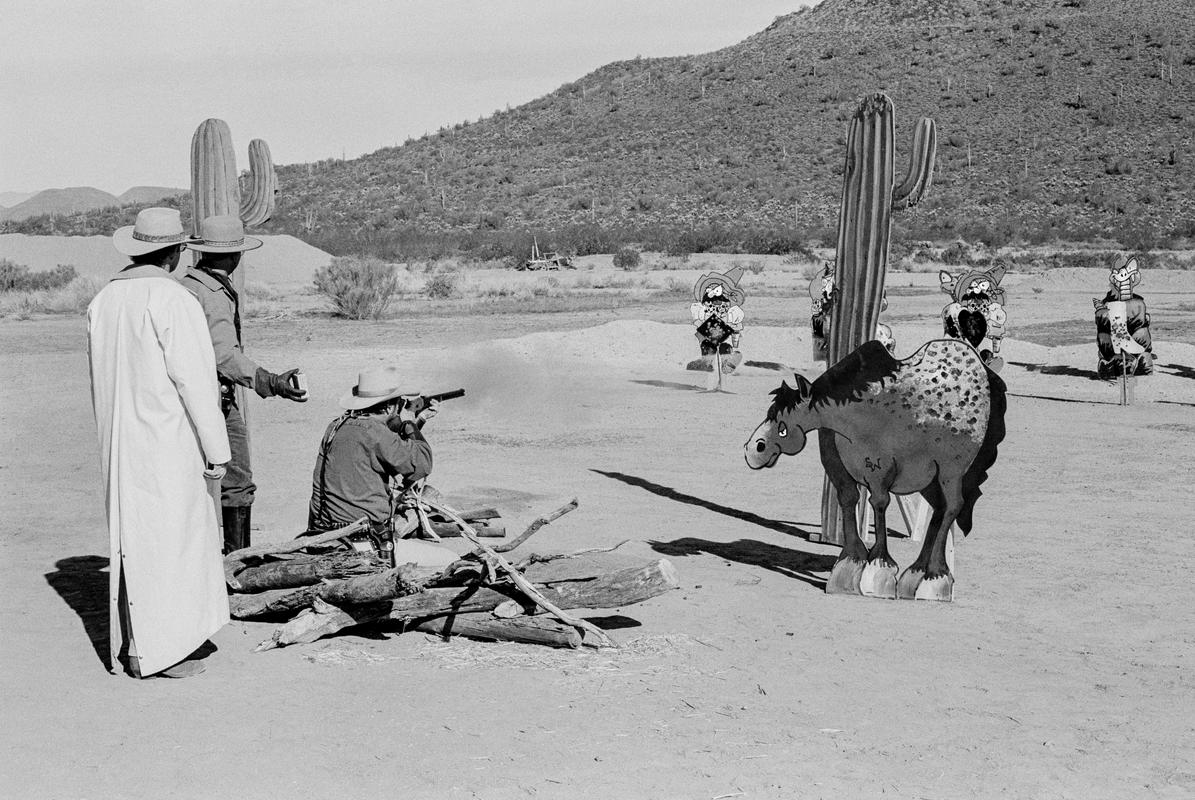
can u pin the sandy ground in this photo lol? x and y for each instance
(1062, 670)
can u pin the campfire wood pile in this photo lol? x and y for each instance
(482, 595)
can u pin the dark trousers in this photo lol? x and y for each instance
(237, 488)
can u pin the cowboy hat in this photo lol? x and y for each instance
(224, 233)
(155, 229)
(728, 280)
(373, 387)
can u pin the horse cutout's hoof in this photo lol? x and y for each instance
(940, 588)
(844, 578)
(703, 364)
(906, 587)
(731, 362)
(996, 364)
(878, 580)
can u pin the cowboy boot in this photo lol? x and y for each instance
(236, 527)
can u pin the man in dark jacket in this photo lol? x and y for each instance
(379, 439)
(223, 242)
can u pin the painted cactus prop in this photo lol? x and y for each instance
(215, 184)
(870, 195)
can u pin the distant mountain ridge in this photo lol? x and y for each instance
(1056, 119)
(58, 202)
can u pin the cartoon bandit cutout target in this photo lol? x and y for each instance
(718, 315)
(977, 310)
(1122, 326)
(824, 293)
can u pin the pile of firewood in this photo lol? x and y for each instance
(481, 595)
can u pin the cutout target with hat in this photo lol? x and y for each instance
(717, 313)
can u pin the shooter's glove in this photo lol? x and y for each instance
(267, 384)
(430, 410)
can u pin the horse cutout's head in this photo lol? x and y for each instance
(1124, 278)
(778, 435)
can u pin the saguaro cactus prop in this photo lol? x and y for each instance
(215, 184)
(869, 196)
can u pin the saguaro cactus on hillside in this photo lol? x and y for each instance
(869, 196)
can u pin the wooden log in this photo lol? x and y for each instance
(306, 570)
(479, 514)
(447, 530)
(600, 637)
(530, 630)
(620, 588)
(358, 590)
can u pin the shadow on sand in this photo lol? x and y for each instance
(789, 528)
(1180, 370)
(688, 387)
(1073, 372)
(791, 563)
(797, 564)
(82, 581)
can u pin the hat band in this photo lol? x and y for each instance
(167, 238)
(358, 393)
(214, 243)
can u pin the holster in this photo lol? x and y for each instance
(228, 395)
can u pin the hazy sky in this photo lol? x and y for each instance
(107, 93)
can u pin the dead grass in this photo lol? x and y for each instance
(70, 299)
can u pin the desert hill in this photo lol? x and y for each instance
(1057, 119)
(10, 199)
(148, 194)
(74, 200)
(282, 261)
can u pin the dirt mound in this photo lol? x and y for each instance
(1082, 279)
(281, 261)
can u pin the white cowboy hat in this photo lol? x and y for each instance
(373, 386)
(154, 229)
(224, 233)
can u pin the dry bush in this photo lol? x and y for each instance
(360, 288)
(69, 299)
(17, 277)
(440, 286)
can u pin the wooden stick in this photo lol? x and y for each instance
(506, 547)
(293, 545)
(523, 583)
(530, 630)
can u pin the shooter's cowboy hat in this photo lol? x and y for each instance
(729, 280)
(224, 233)
(155, 229)
(373, 386)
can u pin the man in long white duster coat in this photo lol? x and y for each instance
(157, 408)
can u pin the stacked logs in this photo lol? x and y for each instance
(482, 595)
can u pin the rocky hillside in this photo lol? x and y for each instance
(1057, 119)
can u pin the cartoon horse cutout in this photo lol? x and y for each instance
(976, 310)
(930, 423)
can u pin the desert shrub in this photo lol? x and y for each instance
(626, 258)
(360, 288)
(440, 286)
(17, 278)
(69, 299)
